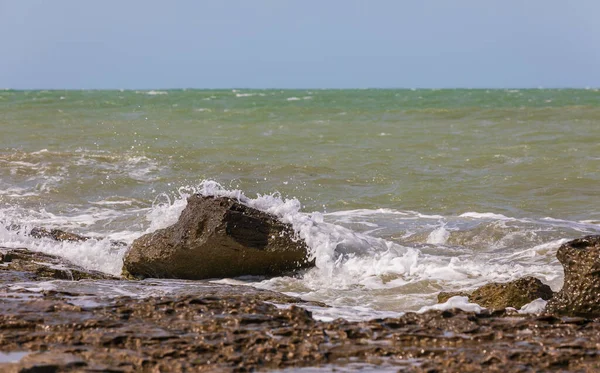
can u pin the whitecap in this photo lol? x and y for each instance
(485, 215)
(154, 93)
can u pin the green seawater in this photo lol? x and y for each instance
(479, 185)
(514, 152)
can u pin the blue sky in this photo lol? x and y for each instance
(76, 44)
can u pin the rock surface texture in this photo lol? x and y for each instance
(231, 331)
(497, 296)
(580, 294)
(217, 237)
(22, 264)
(514, 294)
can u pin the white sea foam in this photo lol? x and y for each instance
(438, 236)
(245, 94)
(346, 259)
(381, 211)
(293, 99)
(353, 267)
(110, 203)
(485, 215)
(454, 302)
(154, 93)
(16, 192)
(535, 307)
(93, 254)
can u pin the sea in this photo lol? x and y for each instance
(399, 194)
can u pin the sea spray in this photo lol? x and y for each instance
(364, 258)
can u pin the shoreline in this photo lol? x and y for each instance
(239, 328)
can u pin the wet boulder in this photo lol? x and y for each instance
(497, 295)
(217, 237)
(580, 294)
(514, 294)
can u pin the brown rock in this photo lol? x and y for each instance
(57, 235)
(22, 264)
(511, 294)
(232, 329)
(217, 237)
(498, 296)
(580, 294)
(60, 235)
(443, 296)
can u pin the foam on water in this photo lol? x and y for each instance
(153, 92)
(535, 307)
(438, 236)
(347, 260)
(454, 302)
(93, 254)
(485, 215)
(384, 260)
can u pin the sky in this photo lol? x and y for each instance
(110, 44)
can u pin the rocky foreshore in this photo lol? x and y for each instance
(238, 328)
(212, 327)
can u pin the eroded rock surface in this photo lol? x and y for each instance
(217, 237)
(514, 294)
(580, 294)
(497, 295)
(233, 331)
(57, 235)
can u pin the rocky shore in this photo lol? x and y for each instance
(236, 328)
(223, 328)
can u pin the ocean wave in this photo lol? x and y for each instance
(384, 258)
(153, 92)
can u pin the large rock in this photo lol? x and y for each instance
(217, 237)
(580, 294)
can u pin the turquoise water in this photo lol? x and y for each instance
(478, 184)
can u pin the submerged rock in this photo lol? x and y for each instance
(57, 235)
(217, 237)
(60, 235)
(496, 295)
(22, 264)
(580, 294)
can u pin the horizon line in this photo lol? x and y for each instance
(304, 89)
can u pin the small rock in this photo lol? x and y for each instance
(580, 294)
(511, 294)
(57, 235)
